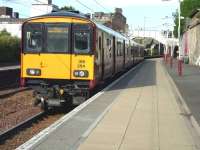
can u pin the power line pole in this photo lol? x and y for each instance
(144, 26)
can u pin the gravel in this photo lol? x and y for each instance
(28, 133)
(18, 108)
(15, 109)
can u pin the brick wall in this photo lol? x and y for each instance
(193, 44)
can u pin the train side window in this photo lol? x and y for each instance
(108, 42)
(119, 49)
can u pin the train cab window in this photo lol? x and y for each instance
(82, 38)
(57, 38)
(32, 37)
(81, 42)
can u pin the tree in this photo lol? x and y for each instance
(9, 47)
(187, 6)
(68, 8)
(4, 33)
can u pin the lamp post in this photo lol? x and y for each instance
(179, 27)
(179, 38)
(180, 65)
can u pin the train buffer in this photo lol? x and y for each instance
(139, 111)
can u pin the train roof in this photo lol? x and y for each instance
(76, 14)
(133, 42)
(110, 31)
(64, 14)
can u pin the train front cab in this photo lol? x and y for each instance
(57, 59)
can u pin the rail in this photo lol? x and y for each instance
(12, 131)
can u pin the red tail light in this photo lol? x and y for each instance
(22, 82)
(92, 84)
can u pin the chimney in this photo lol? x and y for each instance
(118, 10)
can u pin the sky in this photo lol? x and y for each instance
(150, 14)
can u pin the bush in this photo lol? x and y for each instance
(9, 48)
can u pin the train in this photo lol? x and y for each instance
(66, 55)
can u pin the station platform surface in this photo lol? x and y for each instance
(188, 85)
(139, 112)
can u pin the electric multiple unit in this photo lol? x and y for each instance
(65, 56)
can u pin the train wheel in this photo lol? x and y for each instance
(36, 102)
(67, 105)
(88, 95)
(44, 105)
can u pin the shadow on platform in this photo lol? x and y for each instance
(144, 75)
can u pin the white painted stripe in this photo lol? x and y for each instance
(9, 68)
(38, 138)
(88, 131)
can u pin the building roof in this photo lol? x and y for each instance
(12, 20)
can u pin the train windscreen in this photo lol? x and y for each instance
(82, 38)
(81, 42)
(33, 37)
(57, 38)
(46, 38)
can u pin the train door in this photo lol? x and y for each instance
(102, 50)
(124, 54)
(100, 56)
(133, 54)
(82, 57)
(114, 56)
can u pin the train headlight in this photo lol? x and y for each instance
(33, 72)
(81, 73)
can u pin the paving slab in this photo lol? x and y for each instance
(188, 85)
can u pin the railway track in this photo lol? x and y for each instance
(10, 92)
(25, 130)
(10, 132)
(16, 136)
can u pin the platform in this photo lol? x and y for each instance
(9, 68)
(188, 85)
(140, 111)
